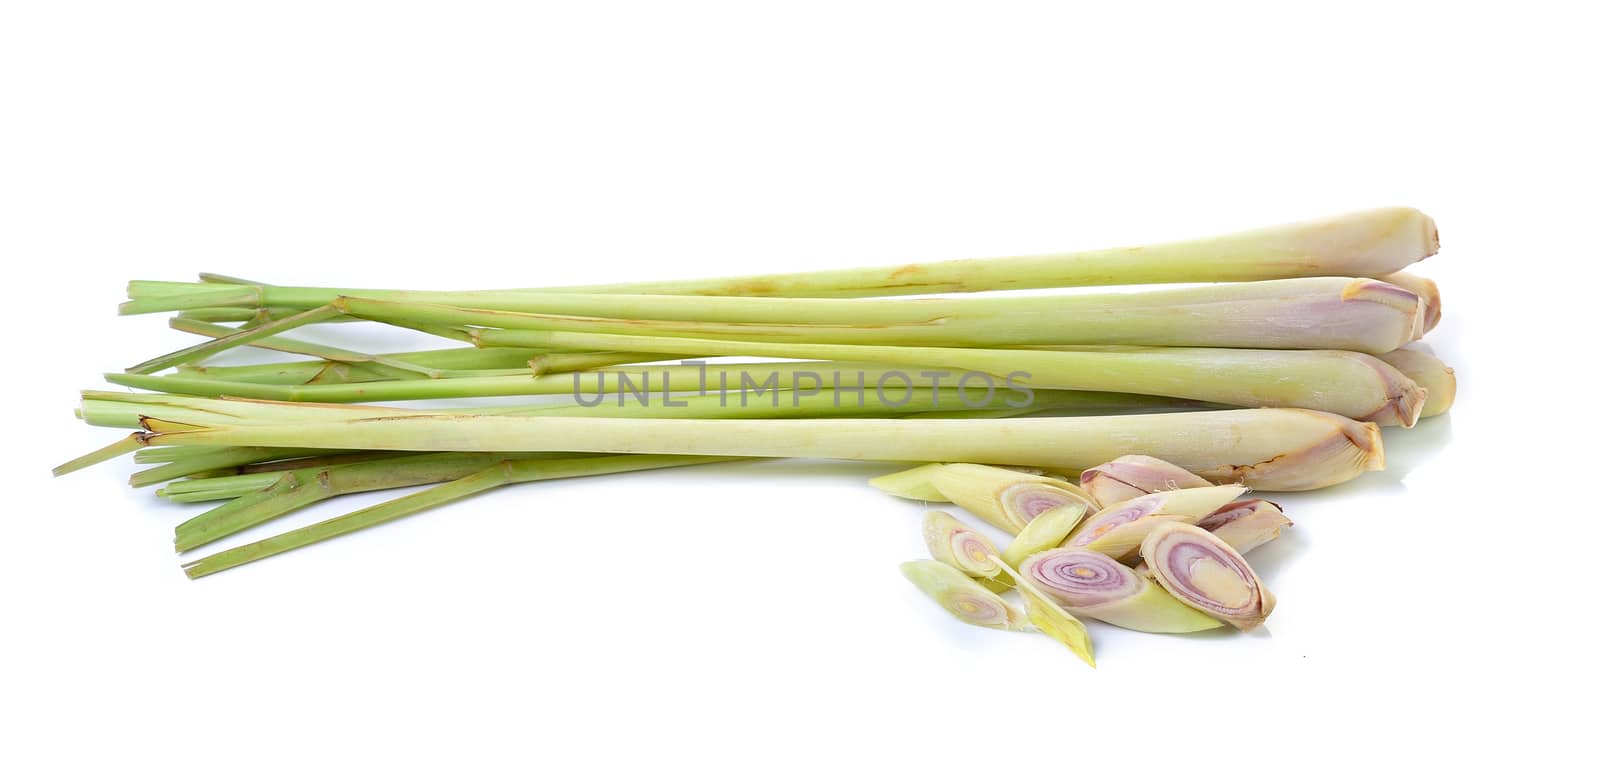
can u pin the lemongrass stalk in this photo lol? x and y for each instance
(1129, 477)
(1247, 524)
(653, 379)
(1430, 373)
(231, 457)
(318, 482)
(756, 377)
(121, 447)
(1308, 313)
(1203, 572)
(1351, 384)
(1118, 530)
(567, 362)
(1422, 287)
(301, 488)
(382, 364)
(1046, 531)
(499, 474)
(195, 490)
(128, 410)
(206, 349)
(970, 552)
(1005, 498)
(961, 596)
(456, 359)
(1266, 448)
(1095, 585)
(1365, 243)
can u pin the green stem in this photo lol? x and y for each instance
(501, 473)
(245, 336)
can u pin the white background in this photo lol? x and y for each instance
(1442, 609)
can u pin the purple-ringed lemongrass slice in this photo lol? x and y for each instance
(1206, 574)
(1046, 531)
(968, 551)
(1095, 585)
(1129, 477)
(1118, 529)
(953, 543)
(1006, 498)
(1247, 524)
(961, 596)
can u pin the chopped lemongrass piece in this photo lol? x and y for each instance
(1129, 477)
(1206, 574)
(949, 541)
(1046, 531)
(1095, 585)
(1429, 372)
(1119, 529)
(962, 597)
(1247, 524)
(1266, 448)
(914, 483)
(1005, 498)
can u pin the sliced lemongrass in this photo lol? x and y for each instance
(1206, 574)
(971, 552)
(1045, 531)
(914, 483)
(1422, 287)
(1428, 371)
(501, 473)
(1092, 584)
(1350, 384)
(1004, 498)
(1246, 524)
(1129, 477)
(1119, 529)
(961, 596)
(952, 542)
(1266, 448)
(1307, 313)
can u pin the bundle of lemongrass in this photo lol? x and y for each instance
(1276, 374)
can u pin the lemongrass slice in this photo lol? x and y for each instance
(1119, 529)
(968, 551)
(1129, 477)
(1247, 524)
(1046, 531)
(914, 483)
(962, 597)
(952, 543)
(1430, 373)
(1004, 498)
(1206, 574)
(1094, 585)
